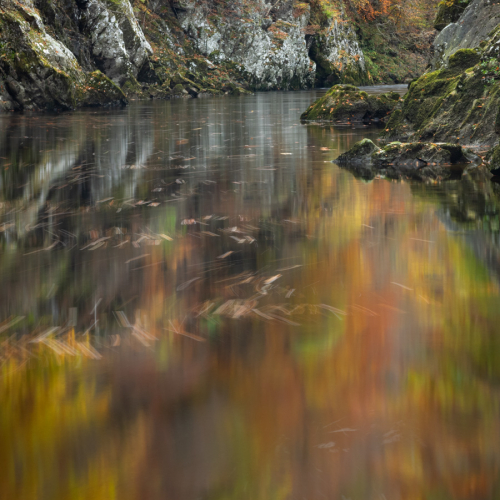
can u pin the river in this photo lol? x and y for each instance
(196, 303)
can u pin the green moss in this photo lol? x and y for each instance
(99, 90)
(463, 59)
(178, 89)
(131, 86)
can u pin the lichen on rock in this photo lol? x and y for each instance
(119, 46)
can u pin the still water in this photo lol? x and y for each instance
(195, 303)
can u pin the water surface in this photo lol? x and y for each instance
(195, 303)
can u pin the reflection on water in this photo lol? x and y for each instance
(197, 304)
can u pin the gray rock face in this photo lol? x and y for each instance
(474, 25)
(337, 53)
(37, 71)
(119, 46)
(272, 54)
(273, 51)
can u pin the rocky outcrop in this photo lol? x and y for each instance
(335, 49)
(259, 45)
(458, 103)
(39, 72)
(271, 53)
(119, 47)
(276, 48)
(42, 67)
(346, 103)
(470, 27)
(409, 160)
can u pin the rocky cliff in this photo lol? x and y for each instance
(63, 54)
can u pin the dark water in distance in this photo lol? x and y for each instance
(195, 303)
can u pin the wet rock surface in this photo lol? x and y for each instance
(407, 160)
(347, 103)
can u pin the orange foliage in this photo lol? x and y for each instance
(397, 11)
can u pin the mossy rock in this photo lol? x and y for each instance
(177, 80)
(448, 12)
(464, 59)
(99, 90)
(410, 160)
(397, 153)
(347, 103)
(179, 90)
(360, 152)
(458, 103)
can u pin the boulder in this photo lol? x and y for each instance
(347, 103)
(192, 91)
(361, 152)
(448, 12)
(411, 160)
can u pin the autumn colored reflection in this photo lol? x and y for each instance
(197, 303)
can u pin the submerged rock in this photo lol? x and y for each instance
(413, 160)
(346, 103)
(361, 152)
